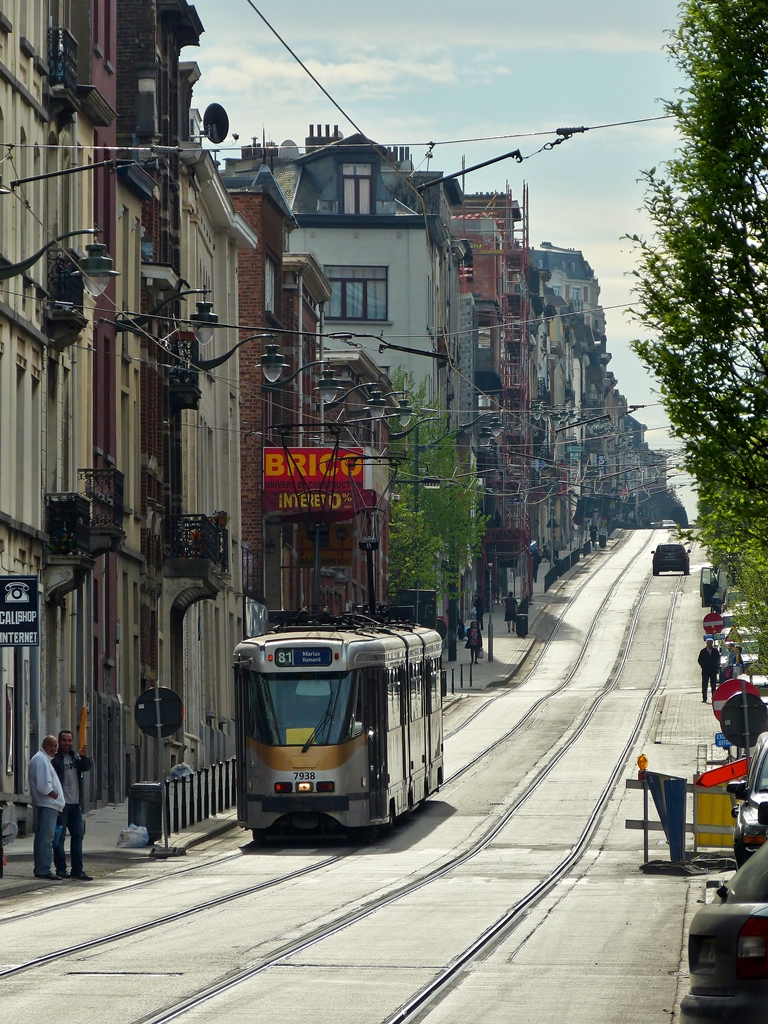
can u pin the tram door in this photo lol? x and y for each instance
(405, 721)
(376, 718)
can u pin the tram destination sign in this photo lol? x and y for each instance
(19, 611)
(303, 657)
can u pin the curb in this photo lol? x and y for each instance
(201, 837)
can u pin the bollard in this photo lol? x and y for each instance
(470, 675)
(453, 672)
(461, 673)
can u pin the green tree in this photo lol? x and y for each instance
(434, 534)
(702, 280)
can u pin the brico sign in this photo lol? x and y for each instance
(323, 481)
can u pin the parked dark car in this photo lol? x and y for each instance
(748, 834)
(728, 949)
(671, 558)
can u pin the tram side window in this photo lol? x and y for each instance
(417, 691)
(402, 680)
(434, 685)
(393, 699)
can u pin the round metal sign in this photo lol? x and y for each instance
(732, 719)
(713, 623)
(168, 709)
(726, 690)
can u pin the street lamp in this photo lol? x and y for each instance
(204, 322)
(404, 412)
(328, 386)
(377, 405)
(96, 268)
(272, 363)
(431, 483)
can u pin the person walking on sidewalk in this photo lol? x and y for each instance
(47, 799)
(709, 662)
(69, 767)
(479, 612)
(474, 641)
(510, 610)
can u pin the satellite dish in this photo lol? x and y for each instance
(288, 150)
(215, 123)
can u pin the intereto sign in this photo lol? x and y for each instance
(19, 611)
(323, 481)
(303, 657)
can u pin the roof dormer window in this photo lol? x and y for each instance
(356, 180)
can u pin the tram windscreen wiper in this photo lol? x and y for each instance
(325, 717)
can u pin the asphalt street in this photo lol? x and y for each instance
(534, 780)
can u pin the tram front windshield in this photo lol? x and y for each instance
(301, 708)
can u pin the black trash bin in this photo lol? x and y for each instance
(145, 807)
(521, 625)
(603, 540)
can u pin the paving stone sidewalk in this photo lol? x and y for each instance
(101, 854)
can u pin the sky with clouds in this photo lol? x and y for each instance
(408, 72)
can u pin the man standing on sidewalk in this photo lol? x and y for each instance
(709, 662)
(47, 799)
(69, 767)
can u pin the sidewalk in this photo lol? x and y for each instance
(510, 651)
(101, 854)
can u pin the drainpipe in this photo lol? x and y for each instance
(300, 378)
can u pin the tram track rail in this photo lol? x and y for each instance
(113, 890)
(541, 653)
(124, 933)
(396, 894)
(489, 939)
(570, 675)
(415, 1006)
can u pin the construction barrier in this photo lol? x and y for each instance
(712, 824)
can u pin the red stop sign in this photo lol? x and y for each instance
(713, 623)
(726, 690)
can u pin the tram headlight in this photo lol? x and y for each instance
(283, 787)
(303, 787)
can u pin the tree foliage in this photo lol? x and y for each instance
(433, 534)
(702, 281)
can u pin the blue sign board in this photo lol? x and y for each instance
(303, 657)
(721, 740)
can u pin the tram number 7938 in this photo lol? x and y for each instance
(303, 775)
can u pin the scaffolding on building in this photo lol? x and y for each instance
(506, 236)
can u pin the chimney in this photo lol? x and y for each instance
(317, 138)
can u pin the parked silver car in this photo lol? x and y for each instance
(728, 949)
(748, 834)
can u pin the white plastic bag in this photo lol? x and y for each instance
(133, 837)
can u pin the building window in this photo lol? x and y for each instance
(359, 293)
(269, 286)
(357, 188)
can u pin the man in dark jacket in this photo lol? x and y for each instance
(709, 662)
(70, 766)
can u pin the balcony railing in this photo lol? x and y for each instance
(183, 376)
(65, 282)
(68, 524)
(251, 574)
(62, 58)
(197, 537)
(105, 489)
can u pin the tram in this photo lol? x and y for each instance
(339, 724)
